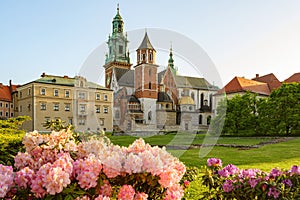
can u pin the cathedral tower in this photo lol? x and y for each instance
(145, 84)
(118, 54)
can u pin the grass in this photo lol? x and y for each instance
(282, 155)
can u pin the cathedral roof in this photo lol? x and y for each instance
(194, 82)
(125, 77)
(186, 100)
(146, 44)
(163, 97)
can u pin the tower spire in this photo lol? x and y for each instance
(171, 61)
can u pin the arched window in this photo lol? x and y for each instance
(200, 119)
(193, 96)
(202, 99)
(208, 120)
(149, 115)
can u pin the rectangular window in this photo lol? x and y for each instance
(67, 107)
(56, 93)
(43, 91)
(47, 119)
(120, 49)
(1, 113)
(81, 121)
(105, 97)
(97, 109)
(82, 108)
(43, 106)
(67, 93)
(6, 114)
(1, 105)
(29, 91)
(6, 105)
(81, 95)
(20, 94)
(20, 108)
(105, 109)
(101, 121)
(56, 107)
(11, 114)
(11, 105)
(71, 121)
(97, 96)
(29, 107)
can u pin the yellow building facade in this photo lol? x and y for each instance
(86, 105)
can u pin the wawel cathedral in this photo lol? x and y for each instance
(146, 99)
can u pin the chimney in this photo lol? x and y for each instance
(256, 75)
(10, 82)
(43, 74)
(65, 76)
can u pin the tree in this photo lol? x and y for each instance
(285, 104)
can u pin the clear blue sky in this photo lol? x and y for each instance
(242, 37)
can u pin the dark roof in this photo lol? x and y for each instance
(163, 97)
(133, 99)
(146, 44)
(5, 94)
(270, 79)
(125, 77)
(294, 78)
(194, 82)
(160, 75)
(57, 80)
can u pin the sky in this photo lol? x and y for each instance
(241, 38)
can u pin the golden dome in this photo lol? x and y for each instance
(186, 100)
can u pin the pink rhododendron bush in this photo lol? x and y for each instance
(56, 166)
(229, 182)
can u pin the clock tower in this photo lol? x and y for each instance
(118, 54)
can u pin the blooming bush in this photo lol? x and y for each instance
(56, 166)
(229, 182)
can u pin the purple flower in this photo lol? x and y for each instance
(214, 162)
(275, 172)
(249, 173)
(227, 186)
(253, 182)
(295, 169)
(273, 192)
(223, 172)
(232, 169)
(288, 182)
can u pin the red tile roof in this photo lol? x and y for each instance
(238, 84)
(270, 79)
(294, 78)
(5, 94)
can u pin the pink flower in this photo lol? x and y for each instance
(141, 196)
(186, 183)
(133, 164)
(253, 182)
(175, 192)
(228, 186)
(214, 162)
(273, 192)
(87, 171)
(6, 179)
(138, 146)
(126, 192)
(295, 169)
(106, 189)
(23, 177)
(100, 197)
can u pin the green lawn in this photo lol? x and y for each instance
(282, 155)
